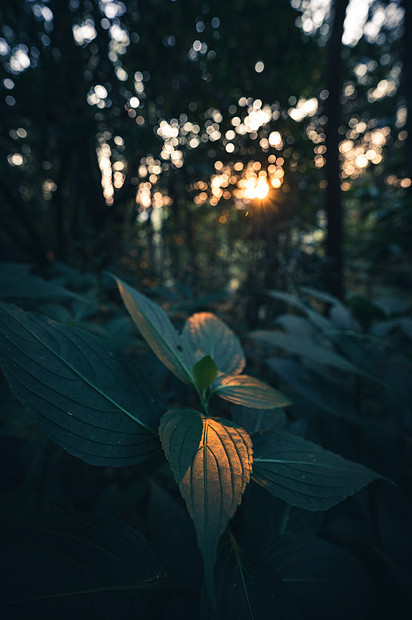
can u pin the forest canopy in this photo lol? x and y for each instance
(151, 132)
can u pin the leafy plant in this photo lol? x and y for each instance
(347, 368)
(352, 362)
(101, 407)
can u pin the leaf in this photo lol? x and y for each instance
(393, 306)
(365, 311)
(204, 372)
(384, 329)
(171, 534)
(402, 576)
(302, 473)
(338, 313)
(86, 396)
(322, 296)
(393, 522)
(211, 460)
(317, 319)
(16, 282)
(159, 333)
(305, 348)
(326, 397)
(328, 581)
(206, 334)
(68, 565)
(259, 419)
(249, 392)
(247, 588)
(356, 351)
(297, 325)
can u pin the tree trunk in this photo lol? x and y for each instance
(407, 80)
(83, 219)
(34, 244)
(333, 206)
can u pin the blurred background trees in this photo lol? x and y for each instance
(219, 145)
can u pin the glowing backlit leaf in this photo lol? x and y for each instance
(206, 334)
(211, 460)
(250, 392)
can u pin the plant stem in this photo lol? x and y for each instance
(285, 520)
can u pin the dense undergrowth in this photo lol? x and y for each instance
(94, 522)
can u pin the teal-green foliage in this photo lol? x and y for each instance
(103, 407)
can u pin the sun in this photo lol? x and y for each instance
(256, 188)
(262, 188)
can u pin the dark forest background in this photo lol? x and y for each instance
(134, 135)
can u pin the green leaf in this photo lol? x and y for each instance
(211, 460)
(172, 535)
(253, 420)
(68, 565)
(315, 318)
(322, 296)
(16, 282)
(297, 325)
(328, 580)
(317, 393)
(204, 372)
(250, 392)
(206, 334)
(365, 311)
(356, 351)
(86, 396)
(305, 348)
(159, 333)
(302, 473)
(248, 588)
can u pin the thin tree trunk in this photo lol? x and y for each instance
(36, 246)
(333, 207)
(82, 216)
(407, 80)
(191, 266)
